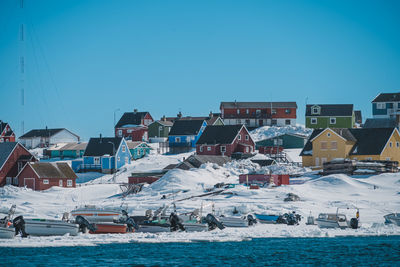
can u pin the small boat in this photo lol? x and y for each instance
(45, 227)
(195, 226)
(95, 214)
(234, 221)
(109, 228)
(392, 218)
(7, 230)
(266, 218)
(332, 220)
(153, 227)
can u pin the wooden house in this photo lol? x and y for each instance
(104, 154)
(225, 140)
(330, 116)
(13, 157)
(284, 141)
(47, 137)
(184, 135)
(6, 133)
(359, 144)
(138, 149)
(44, 175)
(387, 106)
(66, 150)
(134, 126)
(257, 114)
(160, 129)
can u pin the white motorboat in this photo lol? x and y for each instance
(95, 214)
(234, 221)
(332, 220)
(7, 231)
(45, 227)
(392, 218)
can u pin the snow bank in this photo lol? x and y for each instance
(271, 131)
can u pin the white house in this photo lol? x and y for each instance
(46, 137)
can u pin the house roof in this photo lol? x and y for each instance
(186, 127)
(52, 170)
(3, 125)
(195, 161)
(331, 110)
(131, 118)
(98, 147)
(210, 120)
(5, 150)
(42, 132)
(387, 97)
(368, 141)
(280, 135)
(219, 134)
(165, 123)
(258, 104)
(134, 144)
(380, 123)
(75, 146)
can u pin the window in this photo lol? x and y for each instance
(69, 183)
(177, 139)
(275, 142)
(388, 158)
(287, 122)
(288, 111)
(368, 158)
(240, 137)
(60, 183)
(274, 122)
(332, 120)
(258, 112)
(247, 122)
(323, 160)
(247, 149)
(96, 161)
(315, 110)
(238, 121)
(313, 120)
(324, 145)
(316, 161)
(126, 160)
(129, 131)
(45, 181)
(1, 140)
(328, 134)
(201, 148)
(334, 145)
(223, 149)
(380, 105)
(160, 128)
(120, 133)
(123, 148)
(247, 111)
(238, 111)
(119, 159)
(247, 137)
(397, 144)
(273, 111)
(280, 142)
(390, 144)
(8, 180)
(208, 148)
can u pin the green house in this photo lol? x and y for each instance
(286, 141)
(138, 149)
(67, 150)
(159, 128)
(330, 116)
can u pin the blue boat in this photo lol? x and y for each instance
(265, 218)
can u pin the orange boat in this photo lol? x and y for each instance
(109, 228)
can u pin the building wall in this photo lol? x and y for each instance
(133, 133)
(10, 167)
(63, 136)
(393, 152)
(383, 112)
(227, 113)
(288, 142)
(154, 130)
(324, 122)
(123, 155)
(186, 140)
(251, 122)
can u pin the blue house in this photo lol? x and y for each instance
(104, 154)
(184, 135)
(138, 149)
(387, 106)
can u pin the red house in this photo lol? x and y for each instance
(44, 175)
(225, 140)
(6, 133)
(133, 126)
(278, 179)
(257, 114)
(13, 157)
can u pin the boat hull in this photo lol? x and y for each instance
(96, 215)
(43, 227)
(7, 233)
(143, 228)
(268, 219)
(109, 228)
(393, 218)
(195, 227)
(331, 224)
(233, 222)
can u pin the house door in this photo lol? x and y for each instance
(316, 161)
(260, 122)
(30, 183)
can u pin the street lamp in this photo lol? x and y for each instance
(115, 161)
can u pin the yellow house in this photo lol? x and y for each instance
(360, 144)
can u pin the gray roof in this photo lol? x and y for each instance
(258, 104)
(331, 110)
(195, 161)
(387, 97)
(53, 170)
(5, 149)
(380, 123)
(41, 133)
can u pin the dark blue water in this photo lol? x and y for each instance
(354, 251)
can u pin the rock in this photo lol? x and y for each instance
(292, 197)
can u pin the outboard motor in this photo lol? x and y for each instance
(175, 223)
(251, 219)
(354, 223)
(213, 222)
(19, 225)
(84, 224)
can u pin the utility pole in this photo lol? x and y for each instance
(22, 65)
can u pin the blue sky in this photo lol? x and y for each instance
(84, 59)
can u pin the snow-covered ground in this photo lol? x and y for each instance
(375, 196)
(272, 131)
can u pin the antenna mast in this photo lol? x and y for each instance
(22, 64)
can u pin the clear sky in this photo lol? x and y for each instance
(85, 59)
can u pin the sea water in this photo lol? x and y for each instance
(355, 251)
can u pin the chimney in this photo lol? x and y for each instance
(101, 139)
(46, 128)
(211, 114)
(164, 118)
(179, 115)
(135, 110)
